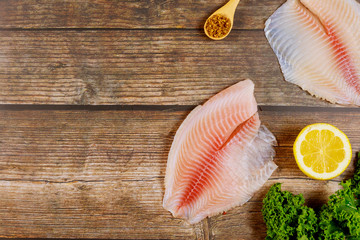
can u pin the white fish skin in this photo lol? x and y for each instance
(317, 43)
(220, 156)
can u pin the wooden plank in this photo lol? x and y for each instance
(85, 175)
(99, 174)
(138, 67)
(246, 222)
(250, 14)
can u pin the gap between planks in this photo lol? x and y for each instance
(47, 107)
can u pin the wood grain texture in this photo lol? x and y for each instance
(99, 174)
(135, 67)
(85, 175)
(250, 14)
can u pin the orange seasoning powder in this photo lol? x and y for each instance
(218, 26)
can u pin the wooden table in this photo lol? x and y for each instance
(92, 93)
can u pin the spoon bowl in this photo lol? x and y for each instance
(224, 15)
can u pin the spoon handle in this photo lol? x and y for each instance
(230, 7)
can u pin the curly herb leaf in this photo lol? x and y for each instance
(286, 217)
(340, 217)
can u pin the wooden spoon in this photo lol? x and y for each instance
(228, 11)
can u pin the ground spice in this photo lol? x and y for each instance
(217, 26)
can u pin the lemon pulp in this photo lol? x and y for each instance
(322, 151)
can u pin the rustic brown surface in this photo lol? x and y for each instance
(178, 67)
(144, 14)
(99, 174)
(73, 171)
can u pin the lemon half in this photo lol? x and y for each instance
(322, 151)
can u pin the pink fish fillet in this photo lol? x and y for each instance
(220, 156)
(317, 43)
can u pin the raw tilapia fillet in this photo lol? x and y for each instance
(317, 43)
(220, 156)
